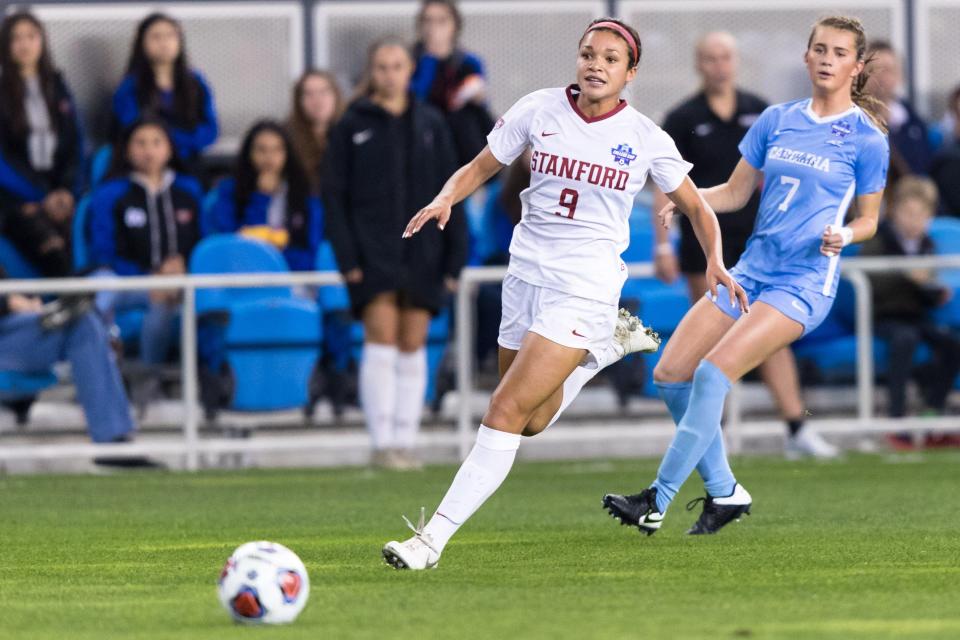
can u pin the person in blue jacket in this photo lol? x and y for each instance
(41, 150)
(160, 82)
(145, 220)
(268, 197)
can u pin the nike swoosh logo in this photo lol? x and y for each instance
(547, 135)
(579, 335)
(362, 136)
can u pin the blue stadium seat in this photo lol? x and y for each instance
(230, 253)
(272, 347)
(271, 341)
(14, 263)
(100, 164)
(945, 233)
(81, 234)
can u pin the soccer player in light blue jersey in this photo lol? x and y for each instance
(815, 156)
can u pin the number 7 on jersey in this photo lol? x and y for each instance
(794, 185)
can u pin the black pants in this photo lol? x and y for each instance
(935, 378)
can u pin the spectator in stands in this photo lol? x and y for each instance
(707, 128)
(41, 151)
(387, 157)
(30, 342)
(945, 169)
(159, 82)
(450, 78)
(317, 104)
(269, 198)
(902, 302)
(145, 220)
(910, 147)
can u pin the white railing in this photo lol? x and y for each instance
(191, 447)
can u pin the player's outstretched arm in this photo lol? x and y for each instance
(860, 229)
(465, 181)
(704, 221)
(732, 195)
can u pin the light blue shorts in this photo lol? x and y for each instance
(809, 308)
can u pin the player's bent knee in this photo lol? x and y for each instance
(668, 372)
(505, 412)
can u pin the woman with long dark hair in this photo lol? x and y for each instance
(41, 151)
(160, 82)
(317, 104)
(145, 220)
(387, 156)
(269, 197)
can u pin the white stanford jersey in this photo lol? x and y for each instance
(585, 174)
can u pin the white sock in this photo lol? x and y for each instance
(411, 389)
(592, 365)
(378, 391)
(479, 476)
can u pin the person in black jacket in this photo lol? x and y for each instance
(945, 169)
(41, 151)
(387, 156)
(902, 301)
(145, 220)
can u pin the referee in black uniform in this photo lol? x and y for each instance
(707, 129)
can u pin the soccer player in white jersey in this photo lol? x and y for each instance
(815, 156)
(591, 154)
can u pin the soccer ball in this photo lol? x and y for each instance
(263, 583)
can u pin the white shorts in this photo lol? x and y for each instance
(568, 320)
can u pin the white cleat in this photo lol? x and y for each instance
(416, 553)
(630, 336)
(809, 444)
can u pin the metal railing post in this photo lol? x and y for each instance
(465, 363)
(188, 361)
(864, 333)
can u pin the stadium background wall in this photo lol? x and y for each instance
(250, 51)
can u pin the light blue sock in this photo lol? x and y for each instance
(697, 430)
(713, 467)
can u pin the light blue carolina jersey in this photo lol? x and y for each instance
(812, 169)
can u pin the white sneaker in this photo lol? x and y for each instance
(630, 336)
(416, 553)
(809, 443)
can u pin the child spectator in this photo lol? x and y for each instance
(317, 104)
(41, 152)
(946, 164)
(269, 198)
(450, 78)
(902, 302)
(387, 157)
(144, 220)
(161, 83)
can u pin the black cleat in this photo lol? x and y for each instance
(638, 510)
(718, 512)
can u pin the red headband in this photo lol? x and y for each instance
(622, 31)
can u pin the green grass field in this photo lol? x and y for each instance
(867, 548)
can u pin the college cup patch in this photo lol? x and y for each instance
(623, 155)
